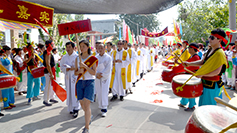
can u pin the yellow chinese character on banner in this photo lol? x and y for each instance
(44, 16)
(163, 32)
(22, 13)
(1, 11)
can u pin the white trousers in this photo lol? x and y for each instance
(48, 92)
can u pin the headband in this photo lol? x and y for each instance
(185, 42)
(220, 37)
(191, 46)
(179, 44)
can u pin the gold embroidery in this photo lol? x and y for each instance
(44, 16)
(22, 13)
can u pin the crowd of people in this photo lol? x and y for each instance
(91, 75)
(215, 64)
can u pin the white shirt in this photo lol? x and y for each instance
(87, 75)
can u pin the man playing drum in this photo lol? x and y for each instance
(192, 49)
(212, 66)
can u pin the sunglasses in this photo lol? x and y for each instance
(212, 37)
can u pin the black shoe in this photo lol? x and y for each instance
(70, 112)
(133, 85)
(126, 91)
(110, 90)
(75, 113)
(131, 92)
(114, 98)
(1, 114)
(47, 104)
(121, 98)
(19, 93)
(53, 101)
(94, 97)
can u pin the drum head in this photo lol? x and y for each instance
(170, 61)
(167, 70)
(213, 118)
(182, 78)
(5, 76)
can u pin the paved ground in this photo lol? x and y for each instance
(151, 109)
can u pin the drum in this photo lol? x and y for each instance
(167, 63)
(167, 75)
(7, 81)
(38, 72)
(210, 119)
(192, 89)
(170, 66)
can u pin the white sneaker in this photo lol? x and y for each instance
(103, 114)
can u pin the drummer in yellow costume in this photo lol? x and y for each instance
(212, 67)
(121, 61)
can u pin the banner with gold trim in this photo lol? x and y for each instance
(25, 12)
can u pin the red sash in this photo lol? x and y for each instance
(89, 62)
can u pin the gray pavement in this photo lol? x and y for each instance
(138, 113)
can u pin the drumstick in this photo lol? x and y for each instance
(79, 53)
(8, 72)
(218, 100)
(189, 71)
(178, 58)
(229, 127)
(181, 87)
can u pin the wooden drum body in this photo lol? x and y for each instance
(192, 89)
(167, 75)
(38, 72)
(7, 81)
(211, 119)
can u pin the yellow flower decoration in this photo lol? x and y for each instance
(4, 99)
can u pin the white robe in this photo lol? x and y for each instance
(70, 80)
(102, 85)
(150, 57)
(139, 58)
(132, 61)
(144, 60)
(109, 52)
(118, 85)
(21, 86)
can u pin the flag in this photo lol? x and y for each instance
(130, 36)
(181, 32)
(175, 30)
(229, 35)
(59, 91)
(124, 30)
(127, 36)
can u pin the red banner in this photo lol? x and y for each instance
(25, 12)
(74, 27)
(145, 32)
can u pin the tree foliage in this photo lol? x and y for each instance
(199, 17)
(143, 21)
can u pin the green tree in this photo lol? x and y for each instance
(135, 21)
(199, 17)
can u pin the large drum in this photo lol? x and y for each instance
(38, 72)
(170, 66)
(167, 63)
(192, 89)
(211, 119)
(167, 75)
(7, 81)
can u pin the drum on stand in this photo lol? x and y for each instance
(211, 119)
(192, 89)
(38, 72)
(167, 75)
(7, 81)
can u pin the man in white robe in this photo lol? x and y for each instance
(138, 67)
(102, 80)
(132, 60)
(109, 48)
(151, 56)
(67, 64)
(121, 63)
